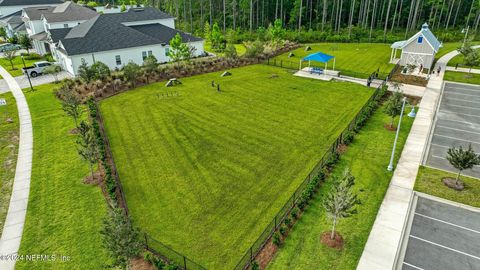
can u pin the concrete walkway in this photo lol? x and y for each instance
(17, 210)
(465, 70)
(385, 238)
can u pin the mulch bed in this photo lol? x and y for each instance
(342, 148)
(452, 183)
(266, 255)
(390, 127)
(96, 180)
(336, 243)
(141, 264)
(408, 79)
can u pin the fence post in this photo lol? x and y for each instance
(184, 263)
(146, 240)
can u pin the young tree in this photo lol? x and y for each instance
(120, 238)
(178, 50)
(10, 56)
(87, 145)
(71, 103)
(253, 49)
(85, 72)
(462, 159)
(25, 42)
(53, 70)
(231, 51)
(472, 59)
(3, 33)
(217, 38)
(150, 64)
(207, 33)
(393, 106)
(340, 202)
(99, 71)
(276, 31)
(131, 72)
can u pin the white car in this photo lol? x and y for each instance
(36, 69)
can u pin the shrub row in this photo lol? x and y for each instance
(158, 263)
(110, 184)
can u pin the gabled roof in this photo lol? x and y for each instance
(426, 33)
(35, 13)
(109, 32)
(69, 11)
(12, 18)
(28, 2)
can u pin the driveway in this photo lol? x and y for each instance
(457, 124)
(23, 81)
(442, 236)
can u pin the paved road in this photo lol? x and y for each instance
(443, 236)
(457, 124)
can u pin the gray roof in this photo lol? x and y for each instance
(28, 2)
(69, 11)
(108, 32)
(430, 37)
(12, 18)
(58, 33)
(35, 13)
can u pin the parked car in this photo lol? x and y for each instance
(36, 69)
(9, 47)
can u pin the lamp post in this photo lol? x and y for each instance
(466, 34)
(28, 75)
(412, 114)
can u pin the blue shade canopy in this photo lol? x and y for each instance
(319, 57)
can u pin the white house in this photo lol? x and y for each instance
(11, 11)
(419, 50)
(39, 21)
(118, 38)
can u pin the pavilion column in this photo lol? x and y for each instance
(334, 60)
(391, 55)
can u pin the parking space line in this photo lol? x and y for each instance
(438, 157)
(464, 100)
(457, 129)
(457, 121)
(453, 93)
(460, 106)
(457, 139)
(468, 89)
(445, 247)
(413, 266)
(439, 145)
(443, 111)
(448, 223)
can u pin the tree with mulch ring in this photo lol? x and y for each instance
(393, 108)
(339, 203)
(461, 159)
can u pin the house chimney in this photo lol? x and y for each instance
(425, 26)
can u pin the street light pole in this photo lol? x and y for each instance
(390, 165)
(28, 75)
(466, 35)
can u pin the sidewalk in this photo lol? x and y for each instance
(466, 70)
(17, 210)
(385, 238)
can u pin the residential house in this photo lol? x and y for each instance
(11, 11)
(118, 38)
(39, 21)
(419, 50)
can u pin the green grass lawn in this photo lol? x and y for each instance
(429, 181)
(17, 65)
(240, 49)
(64, 215)
(8, 152)
(462, 77)
(205, 172)
(352, 59)
(459, 60)
(367, 157)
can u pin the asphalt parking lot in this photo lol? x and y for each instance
(442, 236)
(457, 123)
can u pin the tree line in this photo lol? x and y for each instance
(334, 16)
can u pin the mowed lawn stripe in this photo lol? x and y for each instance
(205, 172)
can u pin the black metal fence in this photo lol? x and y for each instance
(276, 222)
(291, 65)
(170, 254)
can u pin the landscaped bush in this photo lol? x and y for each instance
(348, 137)
(276, 239)
(288, 222)
(32, 56)
(283, 230)
(294, 213)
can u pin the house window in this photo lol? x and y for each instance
(65, 25)
(118, 60)
(150, 53)
(167, 50)
(144, 55)
(420, 39)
